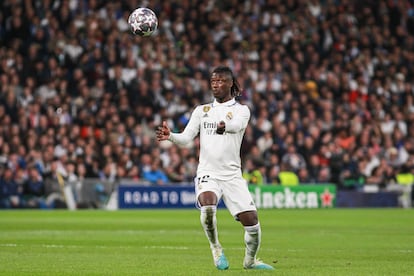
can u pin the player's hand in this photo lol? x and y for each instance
(221, 127)
(163, 132)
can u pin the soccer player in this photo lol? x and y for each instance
(221, 125)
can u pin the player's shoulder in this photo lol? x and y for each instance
(202, 108)
(242, 106)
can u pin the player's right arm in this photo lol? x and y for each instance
(190, 131)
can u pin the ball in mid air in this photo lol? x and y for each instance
(143, 22)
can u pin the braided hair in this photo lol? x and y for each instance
(235, 88)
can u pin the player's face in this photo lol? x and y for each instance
(221, 85)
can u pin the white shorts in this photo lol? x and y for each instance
(234, 192)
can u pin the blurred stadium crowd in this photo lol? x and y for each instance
(329, 83)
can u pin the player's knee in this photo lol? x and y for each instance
(207, 198)
(248, 218)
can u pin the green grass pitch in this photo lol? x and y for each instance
(171, 242)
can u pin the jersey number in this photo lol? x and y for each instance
(203, 179)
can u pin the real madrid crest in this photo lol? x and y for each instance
(229, 116)
(206, 108)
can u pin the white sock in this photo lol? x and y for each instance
(252, 239)
(209, 223)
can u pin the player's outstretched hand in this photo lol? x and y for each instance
(163, 132)
(221, 127)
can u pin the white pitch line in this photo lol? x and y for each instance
(93, 232)
(167, 247)
(98, 246)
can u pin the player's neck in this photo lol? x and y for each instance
(224, 99)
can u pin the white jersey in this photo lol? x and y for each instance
(219, 154)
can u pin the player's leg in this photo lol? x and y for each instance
(252, 240)
(252, 235)
(208, 203)
(208, 196)
(242, 207)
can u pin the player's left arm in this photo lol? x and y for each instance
(237, 122)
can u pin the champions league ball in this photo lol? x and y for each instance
(143, 22)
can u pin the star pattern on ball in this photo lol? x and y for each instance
(143, 22)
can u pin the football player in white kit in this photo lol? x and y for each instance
(221, 126)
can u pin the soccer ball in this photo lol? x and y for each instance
(143, 22)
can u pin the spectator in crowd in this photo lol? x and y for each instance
(293, 160)
(34, 193)
(155, 175)
(10, 192)
(287, 175)
(303, 176)
(324, 175)
(252, 174)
